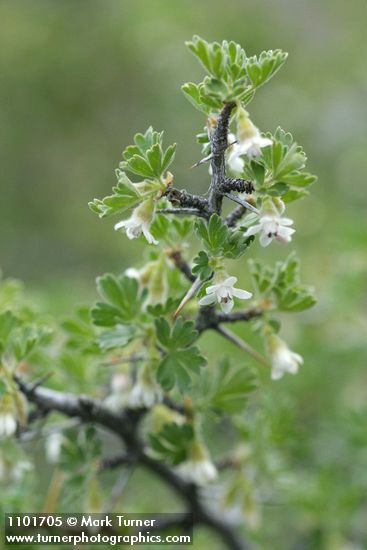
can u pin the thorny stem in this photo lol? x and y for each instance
(125, 426)
(219, 143)
(186, 200)
(181, 211)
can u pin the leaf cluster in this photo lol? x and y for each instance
(145, 158)
(219, 240)
(225, 388)
(19, 337)
(232, 76)
(282, 283)
(280, 171)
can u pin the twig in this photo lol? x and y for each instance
(125, 459)
(237, 184)
(186, 200)
(182, 265)
(117, 490)
(244, 315)
(124, 425)
(181, 211)
(234, 216)
(243, 203)
(232, 337)
(209, 318)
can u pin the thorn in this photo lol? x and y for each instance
(189, 294)
(202, 161)
(41, 381)
(209, 157)
(242, 202)
(232, 337)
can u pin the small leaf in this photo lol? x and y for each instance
(201, 266)
(118, 337)
(172, 442)
(224, 388)
(180, 358)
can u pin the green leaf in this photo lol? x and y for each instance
(236, 244)
(172, 442)
(201, 266)
(220, 240)
(225, 389)
(157, 310)
(213, 234)
(125, 196)
(146, 158)
(123, 300)
(284, 162)
(282, 283)
(180, 358)
(154, 155)
(138, 165)
(261, 69)
(299, 179)
(261, 275)
(8, 321)
(168, 157)
(201, 49)
(26, 338)
(118, 337)
(192, 93)
(294, 194)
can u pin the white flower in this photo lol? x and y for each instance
(198, 469)
(146, 392)
(139, 222)
(234, 160)
(282, 358)
(271, 226)
(249, 140)
(223, 293)
(8, 424)
(53, 447)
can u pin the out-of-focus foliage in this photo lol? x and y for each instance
(75, 86)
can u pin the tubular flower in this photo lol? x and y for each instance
(223, 292)
(198, 468)
(282, 358)
(272, 226)
(249, 140)
(234, 160)
(139, 222)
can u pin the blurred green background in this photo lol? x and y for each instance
(79, 78)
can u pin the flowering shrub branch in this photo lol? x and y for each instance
(148, 322)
